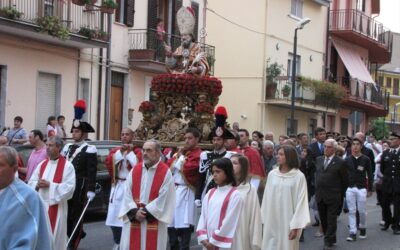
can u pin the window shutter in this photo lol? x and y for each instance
(118, 11)
(130, 12)
(45, 100)
(152, 14)
(195, 7)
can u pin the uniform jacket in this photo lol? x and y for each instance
(390, 168)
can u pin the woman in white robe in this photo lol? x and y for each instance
(249, 231)
(285, 205)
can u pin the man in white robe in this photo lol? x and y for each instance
(54, 179)
(24, 221)
(119, 162)
(149, 202)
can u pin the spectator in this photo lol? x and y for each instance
(17, 135)
(257, 136)
(51, 126)
(38, 153)
(60, 127)
(269, 157)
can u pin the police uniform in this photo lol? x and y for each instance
(84, 158)
(390, 168)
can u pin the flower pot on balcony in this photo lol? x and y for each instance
(107, 10)
(271, 90)
(285, 91)
(83, 2)
(142, 54)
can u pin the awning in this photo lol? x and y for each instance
(352, 60)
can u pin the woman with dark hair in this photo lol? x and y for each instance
(285, 204)
(51, 126)
(249, 231)
(221, 205)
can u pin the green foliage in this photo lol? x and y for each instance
(11, 13)
(379, 128)
(210, 60)
(273, 70)
(286, 89)
(329, 94)
(87, 32)
(53, 26)
(109, 4)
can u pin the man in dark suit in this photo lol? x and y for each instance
(317, 148)
(390, 168)
(332, 181)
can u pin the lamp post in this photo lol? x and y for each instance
(300, 26)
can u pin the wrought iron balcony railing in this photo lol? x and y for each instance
(153, 42)
(72, 16)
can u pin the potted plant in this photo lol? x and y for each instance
(87, 32)
(10, 13)
(108, 6)
(286, 90)
(273, 71)
(52, 26)
(102, 35)
(83, 2)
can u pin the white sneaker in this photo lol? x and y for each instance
(382, 223)
(116, 247)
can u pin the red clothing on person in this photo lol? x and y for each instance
(109, 159)
(255, 163)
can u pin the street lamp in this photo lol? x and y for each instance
(300, 25)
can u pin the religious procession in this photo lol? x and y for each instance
(193, 168)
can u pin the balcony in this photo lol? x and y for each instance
(70, 17)
(146, 50)
(362, 30)
(372, 100)
(306, 98)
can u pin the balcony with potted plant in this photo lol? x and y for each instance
(55, 22)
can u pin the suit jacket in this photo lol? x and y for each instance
(316, 151)
(332, 182)
(390, 168)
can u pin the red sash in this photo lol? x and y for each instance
(152, 227)
(53, 210)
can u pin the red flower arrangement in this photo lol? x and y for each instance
(204, 107)
(186, 84)
(147, 106)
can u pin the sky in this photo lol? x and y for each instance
(389, 15)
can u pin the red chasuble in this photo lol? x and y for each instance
(53, 209)
(256, 165)
(152, 227)
(110, 163)
(190, 170)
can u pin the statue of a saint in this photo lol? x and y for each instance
(187, 58)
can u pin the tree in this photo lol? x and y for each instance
(379, 128)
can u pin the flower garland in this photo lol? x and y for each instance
(147, 106)
(204, 107)
(187, 84)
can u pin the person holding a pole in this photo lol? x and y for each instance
(84, 158)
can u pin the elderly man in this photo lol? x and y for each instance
(119, 162)
(268, 153)
(332, 181)
(25, 224)
(54, 179)
(149, 202)
(185, 169)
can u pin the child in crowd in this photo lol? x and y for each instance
(51, 126)
(221, 205)
(249, 232)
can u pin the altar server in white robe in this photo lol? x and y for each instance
(285, 205)
(220, 208)
(24, 221)
(149, 202)
(249, 231)
(54, 179)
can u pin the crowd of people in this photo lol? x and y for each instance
(252, 192)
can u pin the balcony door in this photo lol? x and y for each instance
(51, 8)
(116, 105)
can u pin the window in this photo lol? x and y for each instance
(288, 132)
(380, 80)
(289, 72)
(125, 12)
(344, 126)
(312, 125)
(84, 93)
(297, 8)
(361, 5)
(48, 7)
(396, 86)
(388, 82)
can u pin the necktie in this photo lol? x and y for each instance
(322, 148)
(326, 162)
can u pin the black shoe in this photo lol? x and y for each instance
(385, 227)
(301, 238)
(316, 224)
(328, 246)
(345, 210)
(363, 233)
(352, 237)
(396, 231)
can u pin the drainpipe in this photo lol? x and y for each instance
(78, 73)
(327, 43)
(99, 94)
(108, 82)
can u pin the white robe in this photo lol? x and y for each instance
(249, 231)
(185, 209)
(162, 208)
(208, 229)
(117, 191)
(57, 193)
(284, 207)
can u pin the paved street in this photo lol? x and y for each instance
(99, 236)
